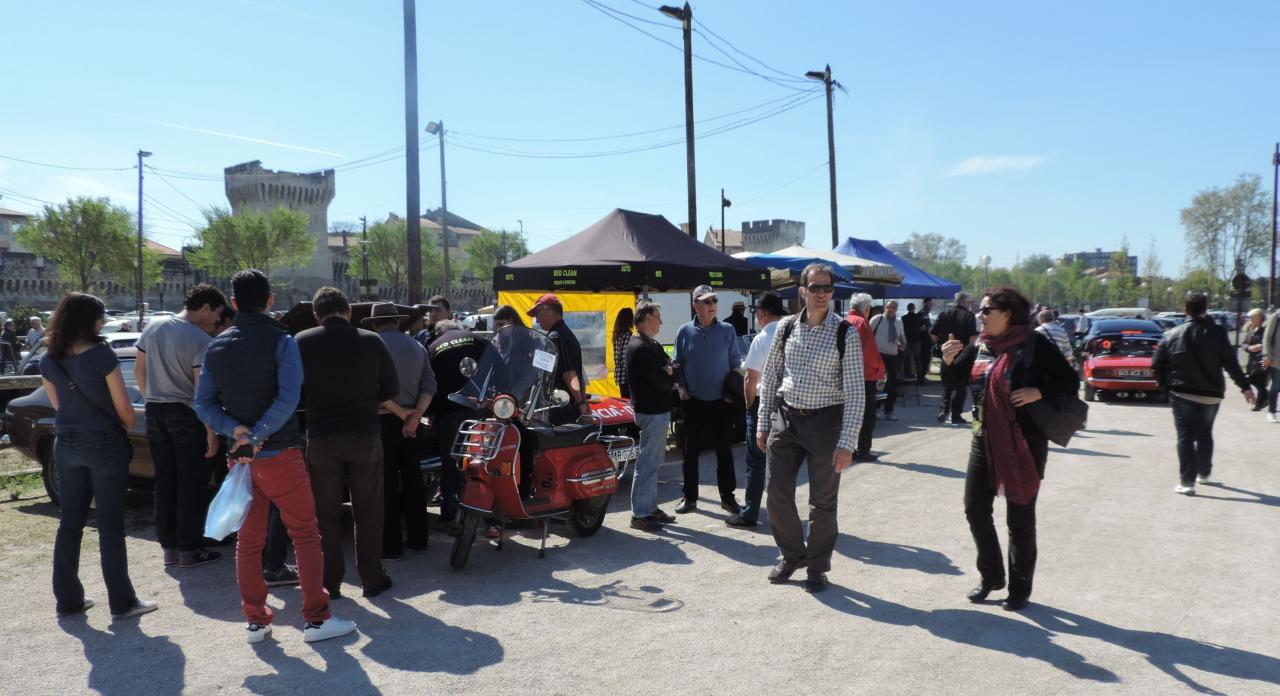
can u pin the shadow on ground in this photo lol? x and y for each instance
(891, 555)
(114, 656)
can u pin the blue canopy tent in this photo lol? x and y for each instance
(793, 264)
(915, 281)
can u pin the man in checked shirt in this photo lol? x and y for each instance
(811, 404)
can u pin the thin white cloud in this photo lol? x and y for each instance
(233, 136)
(79, 185)
(993, 164)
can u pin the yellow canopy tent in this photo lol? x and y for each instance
(591, 316)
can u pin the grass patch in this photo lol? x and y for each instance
(14, 486)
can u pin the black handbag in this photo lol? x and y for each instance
(1059, 416)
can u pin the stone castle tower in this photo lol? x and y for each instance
(250, 187)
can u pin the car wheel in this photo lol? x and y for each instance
(49, 472)
(1090, 394)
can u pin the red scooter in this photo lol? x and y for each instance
(515, 464)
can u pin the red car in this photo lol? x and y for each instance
(1115, 358)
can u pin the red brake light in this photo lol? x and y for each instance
(1106, 345)
(1132, 332)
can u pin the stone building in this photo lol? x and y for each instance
(771, 235)
(1099, 259)
(250, 187)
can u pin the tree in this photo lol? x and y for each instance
(389, 258)
(230, 243)
(89, 238)
(1228, 229)
(487, 251)
(934, 248)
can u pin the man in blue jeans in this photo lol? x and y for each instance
(768, 310)
(1188, 364)
(649, 374)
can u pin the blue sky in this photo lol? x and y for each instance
(1018, 128)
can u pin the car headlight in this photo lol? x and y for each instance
(504, 407)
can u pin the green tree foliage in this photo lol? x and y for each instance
(89, 239)
(1228, 229)
(486, 251)
(230, 243)
(389, 258)
(935, 248)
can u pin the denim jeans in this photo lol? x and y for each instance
(92, 466)
(653, 448)
(755, 471)
(1194, 423)
(177, 440)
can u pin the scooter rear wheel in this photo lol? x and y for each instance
(463, 542)
(587, 515)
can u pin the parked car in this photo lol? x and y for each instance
(1167, 323)
(1115, 358)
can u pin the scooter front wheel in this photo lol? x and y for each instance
(586, 515)
(462, 543)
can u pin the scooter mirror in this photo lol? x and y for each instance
(559, 397)
(467, 366)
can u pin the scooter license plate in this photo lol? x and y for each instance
(625, 454)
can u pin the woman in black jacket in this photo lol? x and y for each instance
(1010, 366)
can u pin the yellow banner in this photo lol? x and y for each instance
(591, 316)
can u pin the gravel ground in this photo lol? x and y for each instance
(1138, 591)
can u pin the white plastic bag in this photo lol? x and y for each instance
(230, 507)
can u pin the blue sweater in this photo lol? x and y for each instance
(706, 354)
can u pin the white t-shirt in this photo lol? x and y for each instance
(760, 345)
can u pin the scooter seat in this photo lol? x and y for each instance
(567, 435)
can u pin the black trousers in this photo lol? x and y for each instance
(404, 494)
(892, 374)
(868, 418)
(177, 442)
(954, 389)
(446, 427)
(979, 500)
(708, 420)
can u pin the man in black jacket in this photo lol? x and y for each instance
(960, 324)
(649, 374)
(1188, 364)
(347, 372)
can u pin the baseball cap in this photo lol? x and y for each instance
(545, 299)
(702, 292)
(771, 302)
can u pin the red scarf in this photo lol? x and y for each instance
(1009, 462)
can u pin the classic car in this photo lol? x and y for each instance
(1115, 358)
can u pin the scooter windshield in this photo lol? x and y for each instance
(518, 362)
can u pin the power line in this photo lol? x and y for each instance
(634, 134)
(171, 211)
(171, 185)
(16, 194)
(63, 166)
(739, 63)
(784, 184)
(763, 64)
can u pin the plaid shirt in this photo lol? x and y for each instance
(620, 342)
(812, 378)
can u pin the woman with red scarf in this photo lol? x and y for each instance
(1011, 366)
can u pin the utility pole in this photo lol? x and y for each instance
(364, 258)
(685, 15)
(437, 128)
(827, 82)
(413, 230)
(1275, 189)
(138, 271)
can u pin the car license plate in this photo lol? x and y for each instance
(1134, 373)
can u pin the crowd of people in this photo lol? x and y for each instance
(223, 381)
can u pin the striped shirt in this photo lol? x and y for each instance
(812, 377)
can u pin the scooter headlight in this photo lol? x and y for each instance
(504, 406)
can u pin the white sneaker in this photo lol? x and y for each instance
(1203, 480)
(256, 632)
(140, 607)
(1185, 490)
(329, 628)
(1273, 418)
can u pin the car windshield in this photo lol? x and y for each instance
(518, 362)
(1123, 345)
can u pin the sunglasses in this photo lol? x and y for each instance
(710, 300)
(826, 289)
(984, 311)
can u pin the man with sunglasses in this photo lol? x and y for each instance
(811, 405)
(706, 350)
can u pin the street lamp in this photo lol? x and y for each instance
(1104, 282)
(724, 203)
(437, 128)
(1169, 290)
(138, 271)
(824, 76)
(1049, 272)
(1146, 290)
(685, 16)
(986, 271)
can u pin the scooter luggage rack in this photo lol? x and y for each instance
(622, 449)
(487, 432)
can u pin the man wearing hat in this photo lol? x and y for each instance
(768, 310)
(347, 374)
(738, 318)
(404, 493)
(706, 350)
(549, 314)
